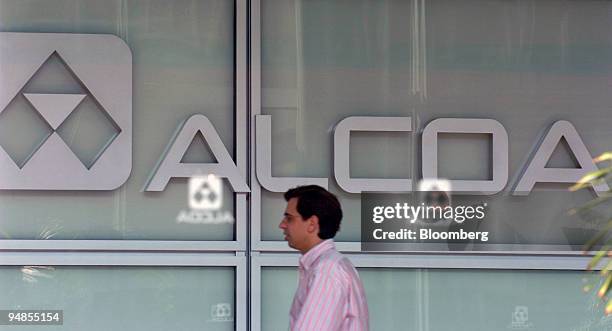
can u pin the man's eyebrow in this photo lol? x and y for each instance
(287, 214)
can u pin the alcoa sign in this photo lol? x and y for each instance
(103, 67)
(535, 171)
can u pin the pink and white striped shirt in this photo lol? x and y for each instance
(330, 295)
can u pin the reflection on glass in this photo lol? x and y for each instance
(205, 200)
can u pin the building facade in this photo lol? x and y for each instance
(145, 146)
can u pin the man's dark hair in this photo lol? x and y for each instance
(315, 200)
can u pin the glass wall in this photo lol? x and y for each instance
(452, 299)
(182, 64)
(118, 298)
(523, 64)
(81, 77)
(88, 84)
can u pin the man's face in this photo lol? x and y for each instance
(297, 231)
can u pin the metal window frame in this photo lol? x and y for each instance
(113, 259)
(241, 159)
(415, 261)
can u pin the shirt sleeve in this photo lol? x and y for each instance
(323, 307)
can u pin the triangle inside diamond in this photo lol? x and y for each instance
(54, 108)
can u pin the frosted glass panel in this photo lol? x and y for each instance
(481, 63)
(124, 298)
(183, 59)
(439, 300)
(524, 64)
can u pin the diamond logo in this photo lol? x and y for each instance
(94, 78)
(205, 193)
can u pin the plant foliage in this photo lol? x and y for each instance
(601, 244)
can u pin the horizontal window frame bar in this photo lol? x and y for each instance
(440, 261)
(120, 245)
(493, 249)
(122, 259)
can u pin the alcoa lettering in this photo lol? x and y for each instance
(533, 172)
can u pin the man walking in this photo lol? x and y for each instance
(330, 295)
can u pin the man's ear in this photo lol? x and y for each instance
(313, 224)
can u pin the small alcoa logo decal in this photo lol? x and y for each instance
(100, 66)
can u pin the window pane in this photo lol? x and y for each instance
(526, 65)
(437, 300)
(523, 64)
(124, 298)
(182, 64)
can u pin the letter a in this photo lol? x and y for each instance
(537, 171)
(170, 165)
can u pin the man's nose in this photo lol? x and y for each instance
(282, 224)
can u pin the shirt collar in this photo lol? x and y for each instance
(307, 260)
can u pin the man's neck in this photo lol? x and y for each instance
(312, 244)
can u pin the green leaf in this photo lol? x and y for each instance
(606, 270)
(605, 287)
(593, 177)
(608, 307)
(595, 260)
(591, 204)
(607, 156)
